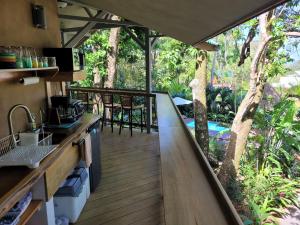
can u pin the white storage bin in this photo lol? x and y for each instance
(87, 184)
(70, 207)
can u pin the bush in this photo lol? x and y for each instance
(269, 170)
(222, 103)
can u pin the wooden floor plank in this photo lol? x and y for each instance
(130, 189)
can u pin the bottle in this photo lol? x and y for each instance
(19, 57)
(27, 58)
(35, 63)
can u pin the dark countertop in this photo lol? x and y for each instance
(17, 181)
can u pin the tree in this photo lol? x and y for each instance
(268, 61)
(113, 42)
(198, 86)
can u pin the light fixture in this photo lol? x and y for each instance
(38, 16)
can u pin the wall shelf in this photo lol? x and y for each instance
(7, 75)
(34, 206)
(29, 69)
(67, 76)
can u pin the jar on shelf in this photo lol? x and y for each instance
(51, 61)
(40, 62)
(19, 57)
(34, 58)
(27, 61)
(45, 62)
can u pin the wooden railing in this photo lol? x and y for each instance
(149, 99)
(129, 92)
(185, 171)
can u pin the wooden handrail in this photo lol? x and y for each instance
(129, 92)
(225, 203)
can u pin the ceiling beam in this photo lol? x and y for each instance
(84, 30)
(80, 3)
(154, 41)
(71, 29)
(98, 26)
(157, 35)
(99, 20)
(88, 11)
(135, 38)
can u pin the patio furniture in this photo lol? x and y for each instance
(127, 105)
(108, 103)
(87, 100)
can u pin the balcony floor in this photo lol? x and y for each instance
(130, 189)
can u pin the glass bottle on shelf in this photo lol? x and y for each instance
(45, 61)
(27, 58)
(34, 59)
(40, 62)
(19, 57)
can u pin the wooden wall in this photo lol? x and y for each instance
(16, 24)
(12, 93)
(16, 29)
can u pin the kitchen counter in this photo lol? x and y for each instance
(15, 182)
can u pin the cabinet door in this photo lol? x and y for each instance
(61, 169)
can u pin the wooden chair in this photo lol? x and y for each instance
(88, 101)
(108, 103)
(127, 105)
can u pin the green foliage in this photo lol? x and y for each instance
(267, 191)
(175, 62)
(269, 170)
(222, 103)
(278, 135)
(95, 49)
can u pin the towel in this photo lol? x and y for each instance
(87, 150)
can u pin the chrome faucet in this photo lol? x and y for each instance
(29, 116)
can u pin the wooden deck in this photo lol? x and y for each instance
(139, 170)
(130, 190)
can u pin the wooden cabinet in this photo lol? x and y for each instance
(59, 170)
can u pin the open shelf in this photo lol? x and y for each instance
(67, 76)
(16, 74)
(28, 69)
(34, 206)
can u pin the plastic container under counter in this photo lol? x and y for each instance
(70, 204)
(84, 175)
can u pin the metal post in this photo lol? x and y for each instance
(148, 79)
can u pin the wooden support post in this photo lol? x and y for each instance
(148, 79)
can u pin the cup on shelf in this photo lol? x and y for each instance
(51, 61)
(40, 62)
(45, 62)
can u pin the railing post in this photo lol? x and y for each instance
(148, 79)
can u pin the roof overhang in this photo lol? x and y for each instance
(190, 21)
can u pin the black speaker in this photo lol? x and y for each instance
(38, 16)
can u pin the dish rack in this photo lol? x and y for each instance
(7, 143)
(29, 156)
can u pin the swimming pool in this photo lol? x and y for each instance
(212, 126)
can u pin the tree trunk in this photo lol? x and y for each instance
(213, 68)
(244, 118)
(112, 55)
(198, 86)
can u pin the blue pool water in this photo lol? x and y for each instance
(212, 126)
